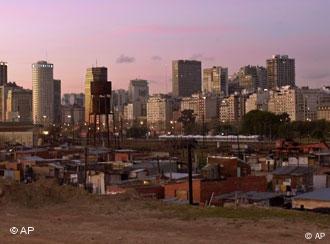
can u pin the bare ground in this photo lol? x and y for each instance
(135, 221)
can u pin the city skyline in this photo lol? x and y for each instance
(74, 38)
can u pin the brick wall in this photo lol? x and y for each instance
(245, 184)
(171, 189)
(202, 190)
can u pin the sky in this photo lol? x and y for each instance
(140, 38)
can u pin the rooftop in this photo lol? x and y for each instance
(321, 195)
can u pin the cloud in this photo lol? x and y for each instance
(199, 56)
(156, 58)
(125, 59)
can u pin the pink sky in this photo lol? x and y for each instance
(146, 35)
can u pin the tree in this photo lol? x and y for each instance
(137, 131)
(188, 120)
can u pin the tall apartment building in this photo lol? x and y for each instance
(3, 73)
(94, 74)
(215, 80)
(42, 92)
(159, 112)
(19, 105)
(204, 107)
(280, 71)
(186, 77)
(257, 101)
(232, 109)
(57, 101)
(287, 100)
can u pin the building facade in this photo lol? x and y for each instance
(215, 80)
(204, 107)
(287, 100)
(73, 99)
(57, 101)
(280, 71)
(232, 109)
(3, 73)
(94, 74)
(159, 112)
(42, 93)
(19, 105)
(186, 77)
(257, 101)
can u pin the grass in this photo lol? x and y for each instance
(40, 193)
(45, 193)
(251, 213)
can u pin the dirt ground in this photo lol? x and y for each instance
(134, 221)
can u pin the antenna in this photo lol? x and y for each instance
(46, 56)
(96, 63)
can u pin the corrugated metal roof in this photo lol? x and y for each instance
(292, 170)
(322, 195)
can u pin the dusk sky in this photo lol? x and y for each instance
(140, 38)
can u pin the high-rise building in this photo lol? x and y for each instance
(251, 78)
(94, 74)
(287, 100)
(159, 112)
(232, 109)
(204, 107)
(119, 99)
(186, 77)
(280, 71)
(138, 93)
(138, 90)
(19, 105)
(257, 101)
(42, 93)
(3, 73)
(215, 80)
(57, 101)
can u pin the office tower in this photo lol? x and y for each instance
(95, 74)
(251, 78)
(159, 112)
(215, 80)
(73, 99)
(138, 92)
(3, 73)
(57, 101)
(186, 77)
(19, 105)
(119, 99)
(280, 71)
(42, 93)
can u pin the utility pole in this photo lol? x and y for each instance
(191, 199)
(86, 163)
